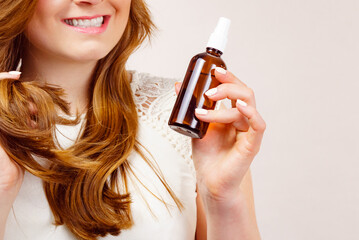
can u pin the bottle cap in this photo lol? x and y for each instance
(218, 38)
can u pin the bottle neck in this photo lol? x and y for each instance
(213, 51)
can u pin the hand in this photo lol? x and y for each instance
(232, 140)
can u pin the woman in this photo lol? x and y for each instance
(87, 129)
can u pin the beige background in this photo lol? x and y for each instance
(301, 57)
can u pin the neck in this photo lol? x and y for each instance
(73, 76)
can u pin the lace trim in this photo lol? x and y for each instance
(154, 98)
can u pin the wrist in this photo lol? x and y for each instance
(230, 217)
(222, 203)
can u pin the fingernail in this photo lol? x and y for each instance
(218, 105)
(14, 72)
(221, 70)
(211, 92)
(240, 102)
(201, 111)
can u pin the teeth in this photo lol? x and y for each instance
(85, 23)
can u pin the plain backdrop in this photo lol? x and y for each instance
(302, 60)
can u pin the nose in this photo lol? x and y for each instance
(89, 2)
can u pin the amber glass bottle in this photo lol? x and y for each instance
(198, 79)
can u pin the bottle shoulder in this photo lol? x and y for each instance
(210, 58)
(200, 55)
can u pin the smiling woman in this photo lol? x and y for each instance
(89, 66)
(84, 143)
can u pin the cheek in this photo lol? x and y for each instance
(41, 30)
(123, 5)
(36, 33)
(122, 15)
(41, 35)
(119, 21)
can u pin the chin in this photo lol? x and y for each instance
(89, 55)
(89, 50)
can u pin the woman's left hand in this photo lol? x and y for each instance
(233, 138)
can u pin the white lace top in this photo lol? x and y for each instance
(32, 218)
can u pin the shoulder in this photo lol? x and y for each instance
(142, 82)
(154, 98)
(153, 95)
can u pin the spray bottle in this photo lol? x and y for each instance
(198, 79)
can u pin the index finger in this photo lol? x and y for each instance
(225, 76)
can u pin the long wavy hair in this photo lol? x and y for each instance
(85, 184)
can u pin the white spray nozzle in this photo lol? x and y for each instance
(218, 38)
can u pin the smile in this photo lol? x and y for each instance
(85, 23)
(95, 24)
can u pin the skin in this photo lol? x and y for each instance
(226, 206)
(67, 58)
(222, 168)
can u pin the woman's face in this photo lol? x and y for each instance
(77, 30)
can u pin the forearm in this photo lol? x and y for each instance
(230, 219)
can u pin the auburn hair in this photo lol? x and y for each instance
(85, 184)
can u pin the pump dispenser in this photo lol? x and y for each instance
(218, 39)
(198, 79)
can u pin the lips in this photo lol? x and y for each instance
(88, 24)
(85, 23)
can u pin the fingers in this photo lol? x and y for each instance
(32, 107)
(232, 91)
(11, 75)
(257, 125)
(235, 89)
(231, 88)
(224, 115)
(16, 75)
(32, 121)
(219, 116)
(244, 116)
(225, 76)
